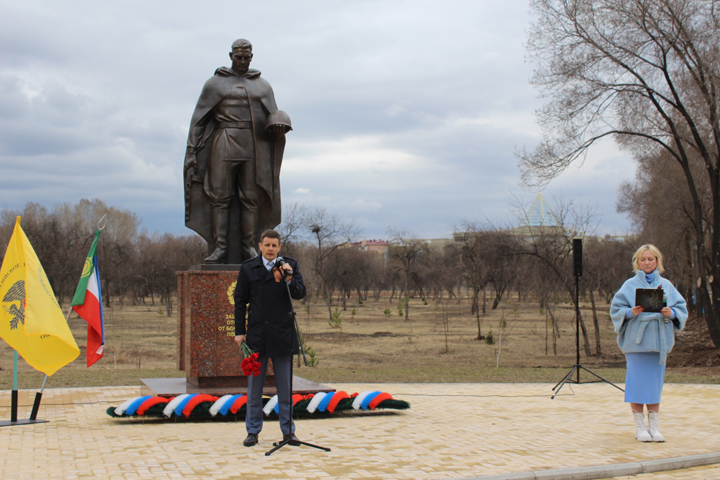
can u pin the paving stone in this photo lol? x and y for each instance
(451, 431)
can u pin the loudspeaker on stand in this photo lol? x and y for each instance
(577, 257)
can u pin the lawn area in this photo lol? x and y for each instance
(373, 343)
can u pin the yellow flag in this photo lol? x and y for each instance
(31, 320)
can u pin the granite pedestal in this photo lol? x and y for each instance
(207, 351)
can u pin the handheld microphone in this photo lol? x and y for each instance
(279, 262)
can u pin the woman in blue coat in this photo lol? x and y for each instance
(646, 338)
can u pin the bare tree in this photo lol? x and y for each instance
(446, 273)
(293, 221)
(159, 256)
(606, 266)
(659, 198)
(62, 237)
(347, 270)
(502, 266)
(552, 244)
(405, 254)
(129, 263)
(550, 292)
(379, 277)
(328, 233)
(117, 251)
(58, 243)
(647, 73)
(482, 263)
(469, 245)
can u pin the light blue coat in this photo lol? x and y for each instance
(647, 332)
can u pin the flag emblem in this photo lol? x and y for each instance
(87, 268)
(14, 294)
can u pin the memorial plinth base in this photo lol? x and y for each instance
(171, 387)
(207, 351)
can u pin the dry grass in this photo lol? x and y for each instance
(140, 342)
(370, 346)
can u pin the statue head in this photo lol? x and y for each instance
(241, 56)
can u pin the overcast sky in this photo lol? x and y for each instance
(405, 113)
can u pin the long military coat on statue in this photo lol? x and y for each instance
(268, 157)
(270, 328)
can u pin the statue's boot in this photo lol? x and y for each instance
(248, 221)
(220, 232)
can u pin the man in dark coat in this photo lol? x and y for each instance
(261, 292)
(232, 162)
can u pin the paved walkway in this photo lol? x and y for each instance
(451, 431)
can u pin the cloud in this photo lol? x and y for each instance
(404, 113)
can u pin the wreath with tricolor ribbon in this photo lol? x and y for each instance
(201, 405)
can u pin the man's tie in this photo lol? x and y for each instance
(270, 265)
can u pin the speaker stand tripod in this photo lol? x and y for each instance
(293, 442)
(577, 367)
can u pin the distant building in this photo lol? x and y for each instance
(540, 220)
(377, 246)
(540, 214)
(438, 243)
(616, 238)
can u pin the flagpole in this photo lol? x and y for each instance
(38, 395)
(15, 370)
(36, 403)
(14, 396)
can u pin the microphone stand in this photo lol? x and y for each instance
(294, 442)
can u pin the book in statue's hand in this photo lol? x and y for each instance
(651, 299)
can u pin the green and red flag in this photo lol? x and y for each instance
(87, 303)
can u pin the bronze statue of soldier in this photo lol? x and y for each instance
(232, 163)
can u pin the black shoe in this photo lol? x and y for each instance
(250, 440)
(294, 441)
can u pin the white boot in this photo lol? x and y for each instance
(654, 427)
(641, 432)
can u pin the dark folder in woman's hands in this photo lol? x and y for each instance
(651, 299)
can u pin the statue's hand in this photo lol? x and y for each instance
(278, 130)
(190, 161)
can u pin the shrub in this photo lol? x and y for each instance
(336, 320)
(312, 360)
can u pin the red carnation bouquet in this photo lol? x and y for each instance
(250, 364)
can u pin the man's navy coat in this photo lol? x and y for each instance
(270, 327)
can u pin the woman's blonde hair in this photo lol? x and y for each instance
(656, 253)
